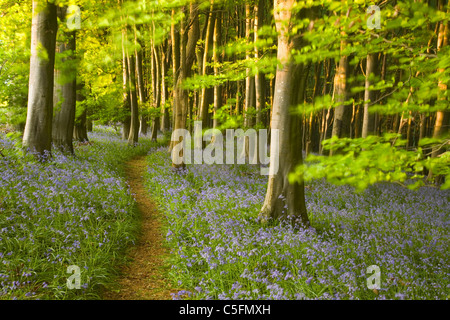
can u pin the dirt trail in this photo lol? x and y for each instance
(142, 278)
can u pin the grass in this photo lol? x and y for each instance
(221, 251)
(69, 211)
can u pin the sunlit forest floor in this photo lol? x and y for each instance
(80, 211)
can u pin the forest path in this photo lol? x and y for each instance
(143, 277)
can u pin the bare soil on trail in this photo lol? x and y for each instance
(143, 277)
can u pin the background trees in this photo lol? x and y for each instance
(372, 102)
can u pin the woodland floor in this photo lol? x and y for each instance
(143, 277)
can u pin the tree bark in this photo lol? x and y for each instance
(125, 87)
(143, 127)
(156, 85)
(80, 129)
(64, 95)
(285, 199)
(133, 137)
(165, 120)
(175, 37)
(216, 58)
(369, 95)
(38, 128)
(189, 34)
(343, 112)
(259, 77)
(249, 102)
(206, 95)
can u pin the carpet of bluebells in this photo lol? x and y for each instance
(68, 211)
(221, 251)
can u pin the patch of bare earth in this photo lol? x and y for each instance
(143, 277)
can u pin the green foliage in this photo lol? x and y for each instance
(363, 162)
(408, 39)
(14, 60)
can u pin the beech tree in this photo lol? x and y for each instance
(65, 89)
(342, 112)
(368, 126)
(134, 117)
(38, 127)
(285, 198)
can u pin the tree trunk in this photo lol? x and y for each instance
(369, 96)
(249, 80)
(38, 129)
(189, 34)
(80, 129)
(259, 77)
(64, 99)
(175, 37)
(125, 87)
(143, 128)
(285, 199)
(343, 112)
(205, 100)
(165, 120)
(325, 113)
(216, 59)
(156, 84)
(134, 124)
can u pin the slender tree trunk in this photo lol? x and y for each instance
(156, 91)
(369, 95)
(143, 128)
(175, 35)
(64, 95)
(408, 132)
(249, 80)
(313, 128)
(134, 127)
(423, 126)
(238, 98)
(38, 128)
(165, 120)
(343, 112)
(125, 87)
(216, 58)
(325, 113)
(259, 77)
(206, 92)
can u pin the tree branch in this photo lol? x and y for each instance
(428, 55)
(3, 65)
(390, 93)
